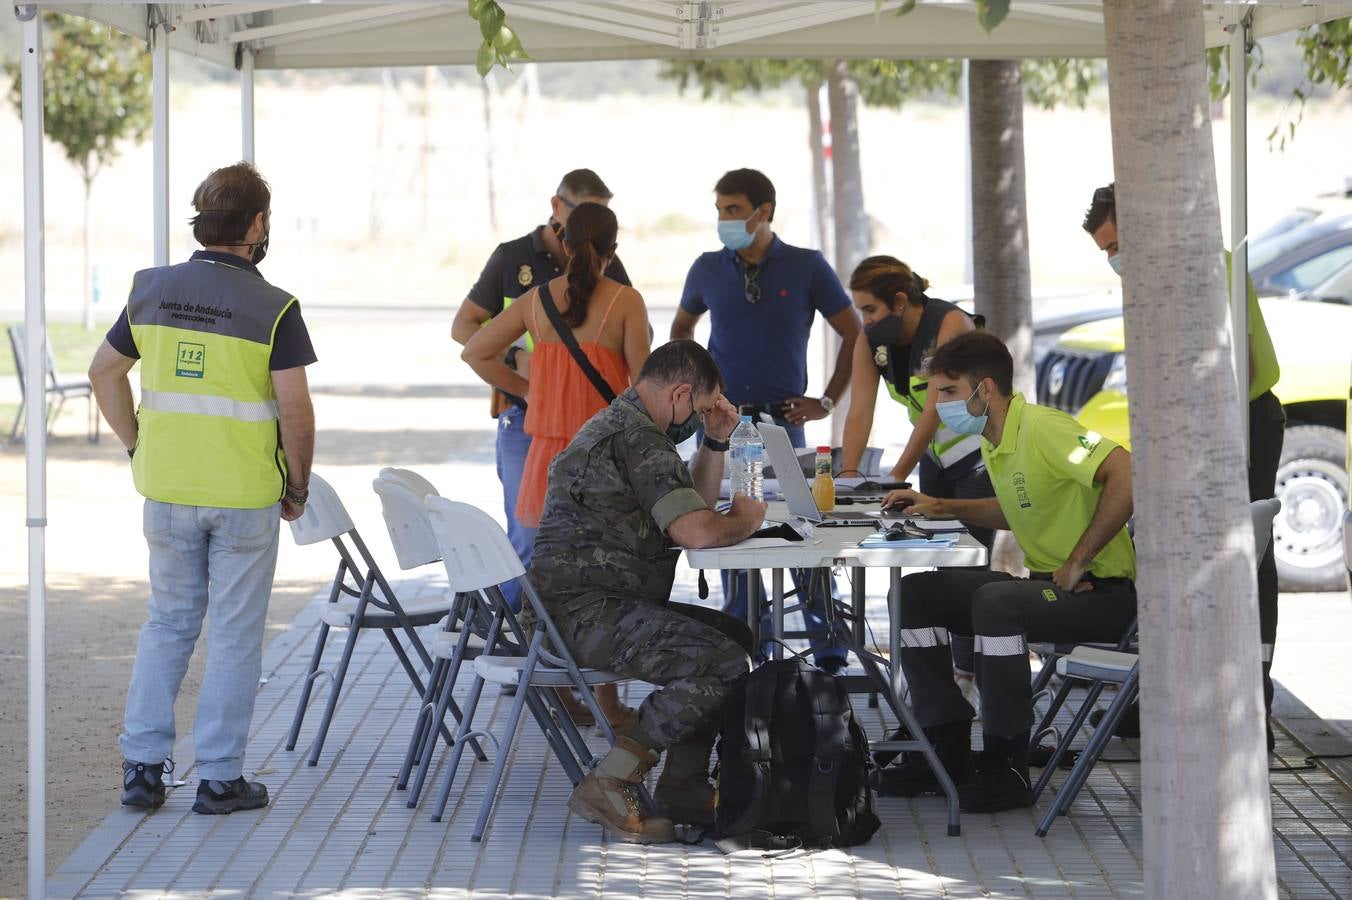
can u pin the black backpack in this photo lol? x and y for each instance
(793, 762)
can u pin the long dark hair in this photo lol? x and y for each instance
(590, 237)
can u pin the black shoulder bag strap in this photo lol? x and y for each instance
(761, 687)
(566, 335)
(829, 719)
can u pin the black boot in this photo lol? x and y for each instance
(1001, 779)
(219, 798)
(913, 775)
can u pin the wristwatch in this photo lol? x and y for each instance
(827, 403)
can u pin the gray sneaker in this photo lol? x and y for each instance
(143, 783)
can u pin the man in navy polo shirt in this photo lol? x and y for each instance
(763, 296)
(514, 268)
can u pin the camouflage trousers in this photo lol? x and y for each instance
(695, 654)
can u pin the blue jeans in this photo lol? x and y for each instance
(513, 445)
(203, 561)
(824, 649)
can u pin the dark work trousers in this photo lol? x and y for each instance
(1003, 613)
(973, 483)
(1267, 427)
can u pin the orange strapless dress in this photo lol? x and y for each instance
(561, 401)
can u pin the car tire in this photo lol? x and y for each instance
(1307, 533)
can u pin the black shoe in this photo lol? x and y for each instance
(1128, 727)
(913, 776)
(219, 798)
(998, 785)
(143, 783)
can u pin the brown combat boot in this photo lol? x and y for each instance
(683, 792)
(609, 795)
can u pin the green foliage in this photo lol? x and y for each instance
(501, 45)
(1327, 49)
(882, 82)
(988, 12)
(96, 90)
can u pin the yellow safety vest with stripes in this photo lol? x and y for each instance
(208, 432)
(948, 447)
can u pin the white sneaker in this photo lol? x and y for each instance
(969, 692)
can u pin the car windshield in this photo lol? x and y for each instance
(1337, 289)
(1264, 250)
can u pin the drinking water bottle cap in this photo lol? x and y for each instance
(746, 418)
(823, 449)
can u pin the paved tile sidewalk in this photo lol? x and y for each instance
(342, 829)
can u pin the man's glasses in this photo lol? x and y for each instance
(749, 283)
(565, 201)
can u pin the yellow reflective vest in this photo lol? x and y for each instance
(208, 432)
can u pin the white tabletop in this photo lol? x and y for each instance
(835, 546)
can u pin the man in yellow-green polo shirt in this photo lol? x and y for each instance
(1267, 431)
(1065, 492)
(221, 443)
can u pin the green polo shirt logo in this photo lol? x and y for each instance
(1021, 490)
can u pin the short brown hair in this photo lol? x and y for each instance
(1102, 208)
(976, 355)
(226, 202)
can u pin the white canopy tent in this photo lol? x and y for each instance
(294, 34)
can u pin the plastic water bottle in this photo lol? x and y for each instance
(748, 461)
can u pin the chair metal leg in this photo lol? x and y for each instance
(315, 659)
(429, 744)
(18, 421)
(1089, 757)
(507, 741)
(1045, 723)
(475, 689)
(422, 723)
(336, 688)
(1076, 723)
(553, 733)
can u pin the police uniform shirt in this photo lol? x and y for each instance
(519, 265)
(291, 346)
(1043, 473)
(613, 492)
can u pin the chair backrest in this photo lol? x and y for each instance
(1263, 512)
(411, 480)
(324, 518)
(474, 548)
(18, 345)
(401, 495)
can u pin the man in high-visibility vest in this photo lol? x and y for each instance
(221, 446)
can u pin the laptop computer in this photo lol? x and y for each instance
(793, 484)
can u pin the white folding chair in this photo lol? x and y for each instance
(401, 493)
(370, 603)
(479, 559)
(58, 388)
(1099, 667)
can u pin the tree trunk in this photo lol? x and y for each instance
(1000, 279)
(1206, 817)
(847, 180)
(84, 255)
(821, 191)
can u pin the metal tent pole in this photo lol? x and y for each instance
(246, 101)
(35, 442)
(160, 105)
(1240, 34)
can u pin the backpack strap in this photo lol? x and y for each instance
(760, 703)
(828, 753)
(569, 341)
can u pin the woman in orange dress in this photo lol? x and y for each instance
(609, 322)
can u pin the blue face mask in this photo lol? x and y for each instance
(1116, 263)
(956, 417)
(733, 234)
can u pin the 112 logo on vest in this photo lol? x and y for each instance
(192, 360)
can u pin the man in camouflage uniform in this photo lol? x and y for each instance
(619, 497)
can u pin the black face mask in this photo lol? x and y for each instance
(680, 432)
(885, 332)
(261, 249)
(559, 231)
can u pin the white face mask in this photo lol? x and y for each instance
(1116, 262)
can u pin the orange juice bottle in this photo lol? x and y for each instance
(823, 486)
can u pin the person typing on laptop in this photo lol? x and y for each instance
(1065, 492)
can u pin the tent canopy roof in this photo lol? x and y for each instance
(299, 34)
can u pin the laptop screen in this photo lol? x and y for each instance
(792, 483)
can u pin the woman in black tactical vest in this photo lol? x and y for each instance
(902, 326)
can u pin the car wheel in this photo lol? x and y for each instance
(1307, 533)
